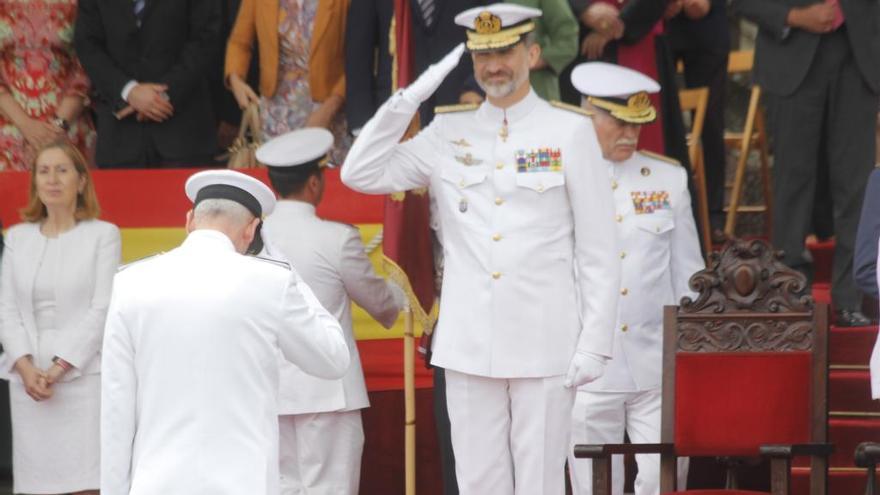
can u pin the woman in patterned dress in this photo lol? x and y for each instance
(302, 70)
(43, 88)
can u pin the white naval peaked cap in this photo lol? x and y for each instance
(606, 80)
(496, 26)
(251, 193)
(294, 148)
(621, 91)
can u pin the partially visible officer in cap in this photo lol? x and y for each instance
(531, 272)
(190, 369)
(659, 251)
(322, 436)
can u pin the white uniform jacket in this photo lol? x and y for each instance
(521, 207)
(190, 377)
(91, 253)
(330, 258)
(659, 251)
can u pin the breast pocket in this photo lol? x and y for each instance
(655, 224)
(540, 182)
(462, 179)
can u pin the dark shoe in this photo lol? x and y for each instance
(852, 318)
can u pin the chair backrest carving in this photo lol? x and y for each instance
(749, 352)
(748, 300)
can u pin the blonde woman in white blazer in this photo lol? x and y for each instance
(57, 272)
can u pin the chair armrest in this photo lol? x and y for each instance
(795, 450)
(608, 449)
(867, 454)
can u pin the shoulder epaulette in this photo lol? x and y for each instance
(571, 108)
(662, 158)
(278, 263)
(461, 107)
(140, 260)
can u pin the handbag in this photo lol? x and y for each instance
(242, 153)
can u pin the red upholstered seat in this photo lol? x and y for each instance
(717, 492)
(731, 403)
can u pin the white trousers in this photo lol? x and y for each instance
(321, 453)
(603, 417)
(510, 436)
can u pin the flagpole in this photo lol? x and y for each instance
(409, 393)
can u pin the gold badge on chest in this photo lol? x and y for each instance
(468, 160)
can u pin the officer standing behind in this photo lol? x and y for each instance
(527, 219)
(322, 437)
(659, 251)
(190, 370)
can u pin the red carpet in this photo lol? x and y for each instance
(854, 417)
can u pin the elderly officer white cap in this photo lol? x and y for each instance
(620, 91)
(235, 186)
(497, 26)
(297, 148)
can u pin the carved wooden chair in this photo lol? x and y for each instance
(745, 374)
(867, 456)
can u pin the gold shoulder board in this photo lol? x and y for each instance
(571, 108)
(662, 158)
(461, 107)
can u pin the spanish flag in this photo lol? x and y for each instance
(149, 207)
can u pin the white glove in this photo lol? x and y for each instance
(422, 88)
(585, 367)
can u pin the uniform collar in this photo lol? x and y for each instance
(293, 206)
(513, 113)
(210, 238)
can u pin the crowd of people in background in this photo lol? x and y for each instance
(105, 84)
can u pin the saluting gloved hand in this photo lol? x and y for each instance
(422, 88)
(585, 367)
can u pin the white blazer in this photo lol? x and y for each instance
(330, 258)
(90, 256)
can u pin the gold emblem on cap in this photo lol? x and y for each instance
(638, 108)
(487, 23)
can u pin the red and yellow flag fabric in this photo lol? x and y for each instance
(149, 207)
(409, 258)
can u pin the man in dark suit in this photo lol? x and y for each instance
(367, 59)
(149, 62)
(817, 64)
(700, 38)
(865, 262)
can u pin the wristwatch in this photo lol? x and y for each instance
(61, 123)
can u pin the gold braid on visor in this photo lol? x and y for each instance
(488, 34)
(638, 108)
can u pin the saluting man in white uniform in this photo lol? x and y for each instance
(659, 251)
(322, 436)
(190, 369)
(531, 272)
